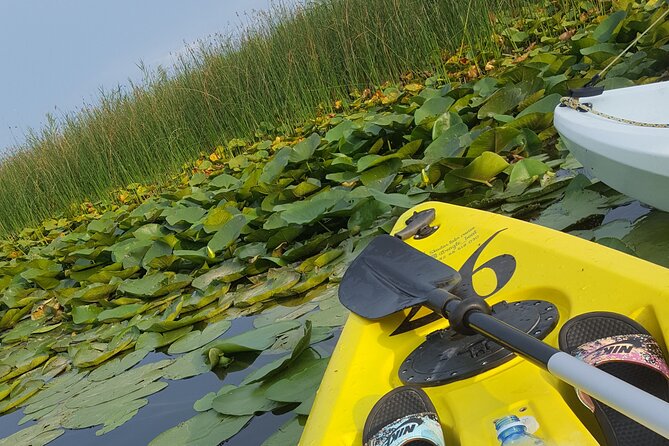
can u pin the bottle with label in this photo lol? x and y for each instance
(512, 432)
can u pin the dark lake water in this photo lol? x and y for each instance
(174, 404)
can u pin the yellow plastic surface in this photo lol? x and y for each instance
(576, 275)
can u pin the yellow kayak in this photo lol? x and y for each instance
(500, 259)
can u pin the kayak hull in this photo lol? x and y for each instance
(502, 259)
(631, 159)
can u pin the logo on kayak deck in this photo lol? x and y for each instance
(503, 265)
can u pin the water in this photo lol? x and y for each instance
(174, 404)
(630, 212)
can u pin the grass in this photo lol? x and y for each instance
(278, 71)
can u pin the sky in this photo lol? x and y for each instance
(57, 54)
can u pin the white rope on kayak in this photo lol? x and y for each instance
(575, 104)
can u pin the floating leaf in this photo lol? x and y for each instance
(300, 385)
(543, 105)
(196, 339)
(85, 314)
(576, 206)
(311, 209)
(277, 282)
(605, 30)
(304, 149)
(225, 236)
(117, 366)
(432, 108)
(288, 434)
(275, 166)
(244, 400)
(280, 313)
(494, 140)
(258, 339)
(153, 340)
(225, 182)
(183, 214)
(502, 101)
(20, 394)
(187, 365)
(205, 429)
(296, 340)
(483, 169)
(36, 435)
(120, 313)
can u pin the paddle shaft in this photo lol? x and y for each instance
(631, 401)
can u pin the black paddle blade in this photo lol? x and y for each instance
(389, 276)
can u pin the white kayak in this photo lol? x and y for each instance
(628, 156)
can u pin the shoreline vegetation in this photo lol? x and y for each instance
(287, 66)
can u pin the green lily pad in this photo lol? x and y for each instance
(288, 434)
(37, 435)
(187, 365)
(298, 340)
(432, 108)
(20, 394)
(605, 30)
(205, 403)
(311, 209)
(258, 339)
(120, 313)
(228, 271)
(277, 282)
(152, 340)
(225, 236)
(244, 400)
(576, 206)
(118, 365)
(183, 214)
(300, 386)
(483, 169)
(205, 429)
(304, 149)
(85, 314)
(196, 339)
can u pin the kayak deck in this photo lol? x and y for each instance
(505, 259)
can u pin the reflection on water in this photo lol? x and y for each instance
(174, 404)
(630, 212)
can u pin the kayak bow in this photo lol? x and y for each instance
(498, 259)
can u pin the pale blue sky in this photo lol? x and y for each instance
(56, 54)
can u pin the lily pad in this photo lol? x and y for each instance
(298, 340)
(187, 365)
(277, 281)
(196, 339)
(205, 429)
(152, 340)
(288, 434)
(257, 339)
(228, 271)
(244, 400)
(299, 386)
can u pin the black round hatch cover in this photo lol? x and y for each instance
(448, 356)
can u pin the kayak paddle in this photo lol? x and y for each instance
(390, 276)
